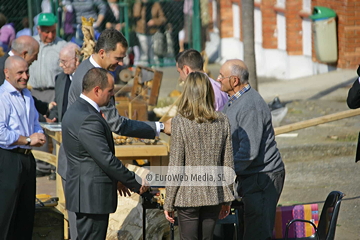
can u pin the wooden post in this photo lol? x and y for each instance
(316, 121)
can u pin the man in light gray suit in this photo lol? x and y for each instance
(93, 170)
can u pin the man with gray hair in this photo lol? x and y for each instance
(27, 48)
(258, 165)
(45, 68)
(68, 61)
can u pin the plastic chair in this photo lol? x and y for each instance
(328, 218)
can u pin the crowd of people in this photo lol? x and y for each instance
(220, 123)
(151, 25)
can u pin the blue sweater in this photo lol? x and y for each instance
(253, 137)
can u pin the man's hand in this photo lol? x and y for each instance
(224, 212)
(167, 125)
(123, 191)
(48, 120)
(37, 139)
(144, 186)
(51, 105)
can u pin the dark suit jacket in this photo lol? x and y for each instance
(41, 107)
(60, 89)
(117, 123)
(353, 99)
(93, 170)
(353, 102)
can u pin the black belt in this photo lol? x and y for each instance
(19, 150)
(44, 88)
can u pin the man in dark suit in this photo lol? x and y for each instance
(68, 61)
(353, 102)
(353, 99)
(93, 170)
(110, 51)
(27, 48)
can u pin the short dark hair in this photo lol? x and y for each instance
(108, 40)
(95, 77)
(3, 19)
(25, 22)
(192, 58)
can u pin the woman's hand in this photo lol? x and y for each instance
(169, 216)
(224, 212)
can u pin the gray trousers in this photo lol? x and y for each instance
(91, 226)
(71, 218)
(260, 194)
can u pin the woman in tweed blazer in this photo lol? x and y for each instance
(200, 139)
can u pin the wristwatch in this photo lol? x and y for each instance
(28, 140)
(162, 127)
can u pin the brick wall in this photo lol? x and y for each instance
(293, 27)
(348, 26)
(268, 23)
(348, 30)
(226, 19)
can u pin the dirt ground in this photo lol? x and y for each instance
(322, 159)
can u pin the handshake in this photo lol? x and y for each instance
(124, 191)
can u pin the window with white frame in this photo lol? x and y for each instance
(281, 30)
(281, 3)
(306, 37)
(236, 20)
(306, 6)
(258, 25)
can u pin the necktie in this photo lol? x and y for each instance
(102, 114)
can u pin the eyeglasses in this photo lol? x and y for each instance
(220, 78)
(64, 62)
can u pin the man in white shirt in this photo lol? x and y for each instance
(19, 132)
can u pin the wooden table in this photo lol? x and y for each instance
(156, 154)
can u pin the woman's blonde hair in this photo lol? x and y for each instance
(197, 100)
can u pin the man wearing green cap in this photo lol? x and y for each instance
(44, 69)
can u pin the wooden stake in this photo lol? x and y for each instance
(167, 112)
(316, 121)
